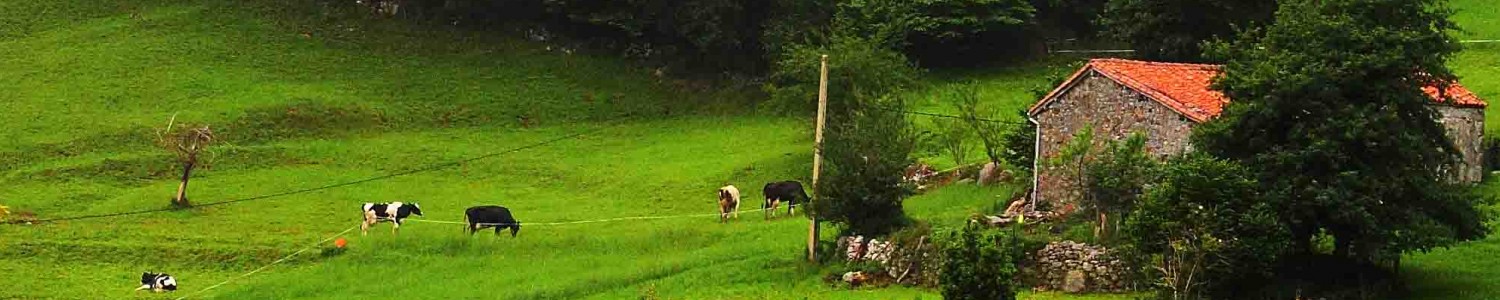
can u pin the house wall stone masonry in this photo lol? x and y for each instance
(1465, 127)
(1115, 111)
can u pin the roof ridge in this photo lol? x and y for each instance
(1160, 63)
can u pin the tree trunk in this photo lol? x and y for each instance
(1101, 230)
(181, 200)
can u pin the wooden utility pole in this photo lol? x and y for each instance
(812, 228)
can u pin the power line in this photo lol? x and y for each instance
(336, 185)
(948, 116)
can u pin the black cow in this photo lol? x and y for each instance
(786, 191)
(157, 282)
(481, 217)
(395, 212)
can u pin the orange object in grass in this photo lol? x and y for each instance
(340, 242)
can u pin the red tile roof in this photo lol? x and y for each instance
(1185, 87)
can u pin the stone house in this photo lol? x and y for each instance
(1164, 101)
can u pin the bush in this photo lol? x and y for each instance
(1206, 231)
(917, 259)
(1020, 144)
(1116, 179)
(952, 137)
(867, 148)
(980, 265)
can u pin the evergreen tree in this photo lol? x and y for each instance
(1330, 114)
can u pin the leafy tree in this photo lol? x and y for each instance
(1173, 30)
(965, 97)
(1020, 144)
(1072, 162)
(941, 32)
(1329, 114)
(1117, 177)
(856, 65)
(979, 265)
(1069, 18)
(1206, 229)
(953, 136)
(866, 148)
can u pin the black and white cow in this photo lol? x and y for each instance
(729, 203)
(157, 282)
(395, 212)
(786, 191)
(481, 217)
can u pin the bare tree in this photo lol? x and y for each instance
(186, 142)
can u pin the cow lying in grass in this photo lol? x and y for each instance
(729, 203)
(395, 212)
(157, 282)
(786, 191)
(481, 217)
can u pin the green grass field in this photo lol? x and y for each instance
(303, 97)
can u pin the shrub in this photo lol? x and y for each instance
(1116, 179)
(952, 136)
(867, 147)
(979, 264)
(1019, 144)
(965, 98)
(1205, 230)
(917, 259)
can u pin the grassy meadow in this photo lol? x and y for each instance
(303, 96)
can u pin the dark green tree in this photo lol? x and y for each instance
(1174, 30)
(856, 65)
(866, 148)
(1330, 115)
(1205, 230)
(942, 32)
(1019, 141)
(1117, 177)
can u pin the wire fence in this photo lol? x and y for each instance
(346, 231)
(581, 222)
(273, 263)
(427, 168)
(937, 115)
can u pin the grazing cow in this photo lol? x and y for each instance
(481, 217)
(729, 203)
(785, 191)
(395, 212)
(157, 282)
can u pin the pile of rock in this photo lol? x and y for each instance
(1077, 268)
(856, 248)
(913, 262)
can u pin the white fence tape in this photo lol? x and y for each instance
(262, 268)
(289, 256)
(582, 222)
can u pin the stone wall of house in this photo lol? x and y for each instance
(1465, 127)
(1115, 112)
